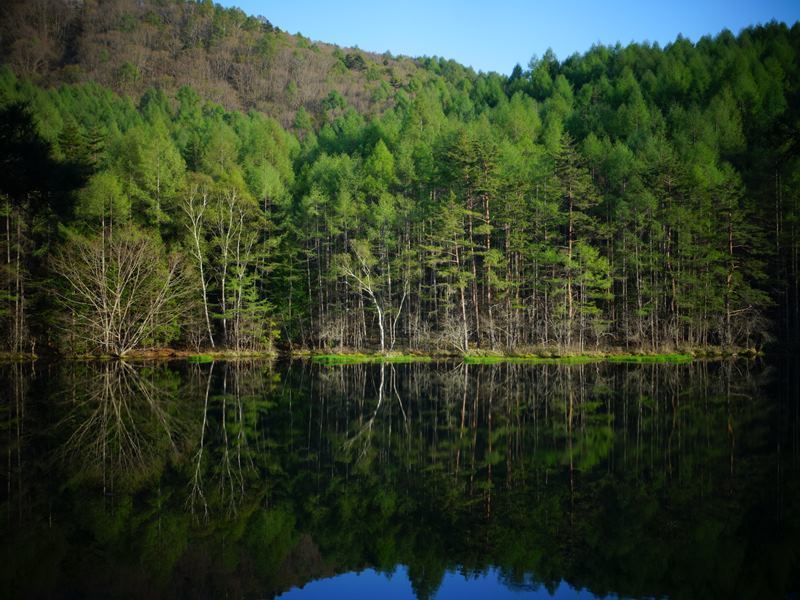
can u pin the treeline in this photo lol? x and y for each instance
(631, 197)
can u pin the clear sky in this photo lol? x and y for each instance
(494, 35)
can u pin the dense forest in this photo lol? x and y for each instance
(180, 174)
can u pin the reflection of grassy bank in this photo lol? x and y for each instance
(17, 356)
(156, 354)
(346, 359)
(491, 359)
(204, 356)
(542, 357)
(657, 358)
(578, 359)
(473, 357)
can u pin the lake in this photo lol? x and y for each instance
(441, 480)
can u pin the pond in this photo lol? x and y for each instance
(253, 479)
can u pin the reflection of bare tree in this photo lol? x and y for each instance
(228, 476)
(364, 434)
(465, 368)
(238, 381)
(196, 494)
(223, 459)
(120, 423)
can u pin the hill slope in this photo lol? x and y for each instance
(239, 61)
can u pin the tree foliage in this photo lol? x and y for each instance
(632, 196)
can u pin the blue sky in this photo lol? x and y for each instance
(495, 35)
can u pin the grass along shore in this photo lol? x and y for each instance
(343, 357)
(540, 357)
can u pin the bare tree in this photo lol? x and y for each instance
(194, 206)
(363, 279)
(119, 292)
(228, 224)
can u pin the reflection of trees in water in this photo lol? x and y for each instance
(590, 473)
(359, 442)
(12, 429)
(119, 422)
(526, 455)
(197, 496)
(479, 422)
(224, 464)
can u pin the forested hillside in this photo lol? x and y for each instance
(228, 57)
(179, 174)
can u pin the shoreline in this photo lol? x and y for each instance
(543, 357)
(344, 357)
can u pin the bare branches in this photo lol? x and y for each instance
(119, 292)
(362, 278)
(194, 205)
(119, 421)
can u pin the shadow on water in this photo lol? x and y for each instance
(248, 479)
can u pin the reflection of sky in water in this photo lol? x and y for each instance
(371, 584)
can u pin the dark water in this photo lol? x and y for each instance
(443, 480)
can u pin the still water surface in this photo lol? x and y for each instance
(297, 480)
